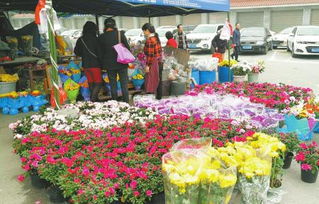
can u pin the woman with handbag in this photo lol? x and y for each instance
(153, 52)
(87, 47)
(110, 38)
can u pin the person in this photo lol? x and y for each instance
(171, 42)
(107, 40)
(236, 42)
(180, 38)
(219, 44)
(153, 53)
(87, 47)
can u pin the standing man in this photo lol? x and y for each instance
(236, 42)
(180, 38)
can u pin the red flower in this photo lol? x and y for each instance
(20, 178)
(136, 193)
(303, 146)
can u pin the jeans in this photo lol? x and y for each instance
(112, 74)
(159, 92)
(236, 52)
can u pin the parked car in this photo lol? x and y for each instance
(280, 39)
(162, 31)
(255, 39)
(202, 36)
(135, 36)
(304, 40)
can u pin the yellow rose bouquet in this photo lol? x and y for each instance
(9, 78)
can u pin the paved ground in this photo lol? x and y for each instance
(280, 68)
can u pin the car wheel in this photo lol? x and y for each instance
(293, 52)
(274, 47)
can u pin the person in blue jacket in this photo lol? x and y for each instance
(236, 42)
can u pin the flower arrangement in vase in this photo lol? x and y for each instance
(240, 71)
(255, 70)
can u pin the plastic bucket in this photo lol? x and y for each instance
(299, 126)
(207, 77)
(138, 83)
(225, 74)
(195, 75)
(7, 87)
(177, 88)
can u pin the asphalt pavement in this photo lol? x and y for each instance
(281, 67)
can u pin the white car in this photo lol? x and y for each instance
(161, 31)
(202, 36)
(304, 40)
(135, 36)
(280, 39)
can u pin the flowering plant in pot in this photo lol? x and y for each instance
(292, 143)
(308, 157)
(240, 71)
(255, 70)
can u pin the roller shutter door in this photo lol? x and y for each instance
(284, 19)
(218, 17)
(315, 17)
(168, 21)
(251, 19)
(192, 19)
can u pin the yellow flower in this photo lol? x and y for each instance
(9, 78)
(227, 181)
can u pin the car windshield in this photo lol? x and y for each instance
(253, 32)
(134, 32)
(162, 32)
(205, 29)
(310, 31)
(286, 31)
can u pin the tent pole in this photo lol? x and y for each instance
(53, 55)
(228, 49)
(97, 24)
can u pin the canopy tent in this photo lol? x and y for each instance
(137, 8)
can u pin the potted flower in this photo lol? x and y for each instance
(292, 143)
(255, 70)
(240, 71)
(138, 81)
(308, 157)
(224, 72)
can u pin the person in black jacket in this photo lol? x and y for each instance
(107, 40)
(219, 44)
(88, 48)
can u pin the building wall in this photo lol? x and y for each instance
(274, 18)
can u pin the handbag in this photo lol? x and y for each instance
(124, 56)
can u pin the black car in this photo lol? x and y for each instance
(255, 40)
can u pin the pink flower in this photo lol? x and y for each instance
(26, 167)
(80, 192)
(23, 159)
(21, 178)
(37, 202)
(303, 146)
(133, 184)
(136, 193)
(306, 167)
(85, 171)
(35, 164)
(149, 193)
(300, 157)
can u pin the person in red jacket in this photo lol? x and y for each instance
(171, 41)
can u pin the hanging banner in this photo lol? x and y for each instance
(213, 5)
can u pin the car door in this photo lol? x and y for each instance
(291, 38)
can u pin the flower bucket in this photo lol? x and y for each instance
(177, 88)
(195, 76)
(85, 92)
(38, 182)
(253, 77)
(287, 160)
(225, 74)
(239, 78)
(308, 176)
(316, 128)
(207, 77)
(299, 126)
(7, 87)
(138, 83)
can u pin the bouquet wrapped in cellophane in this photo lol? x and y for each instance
(194, 173)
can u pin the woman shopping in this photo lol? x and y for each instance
(107, 40)
(153, 52)
(87, 47)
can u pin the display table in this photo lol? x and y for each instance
(27, 63)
